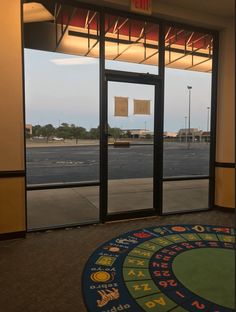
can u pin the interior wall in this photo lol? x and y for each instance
(12, 198)
(12, 205)
(225, 132)
(226, 95)
(225, 187)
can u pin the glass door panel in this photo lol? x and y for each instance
(130, 146)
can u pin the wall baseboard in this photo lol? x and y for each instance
(227, 209)
(13, 235)
(12, 174)
(224, 165)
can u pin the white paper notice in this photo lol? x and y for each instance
(141, 107)
(121, 106)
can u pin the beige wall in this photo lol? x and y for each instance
(12, 204)
(225, 187)
(11, 109)
(225, 132)
(226, 94)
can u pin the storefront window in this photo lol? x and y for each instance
(131, 45)
(188, 61)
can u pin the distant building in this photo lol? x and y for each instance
(206, 135)
(29, 129)
(167, 134)
(137, 133)
(193, 135)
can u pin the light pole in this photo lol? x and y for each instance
(185, 126)
(208, 118)
(208, 121)
(189, 112)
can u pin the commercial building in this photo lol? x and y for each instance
(137, 133)
(192, 135)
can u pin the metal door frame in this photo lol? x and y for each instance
(102, 10)
(145, 79)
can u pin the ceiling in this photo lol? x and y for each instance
(77, 32)
(223, 8)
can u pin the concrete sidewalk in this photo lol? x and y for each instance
(80, 205)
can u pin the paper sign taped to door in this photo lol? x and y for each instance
(141, 107)
(121, 106)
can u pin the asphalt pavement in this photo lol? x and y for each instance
(81, 163)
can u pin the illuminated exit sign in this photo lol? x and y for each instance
(141, 6)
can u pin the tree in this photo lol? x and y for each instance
(37, 130)
(128, 133)
(65, 125)
(64, 131)
(27, 134)
(148, 136)
(115, 133)
(48, 131)
(94, 133)
(78, 132)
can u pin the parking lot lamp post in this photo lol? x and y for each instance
(208, 121)
(208, 118)
(189, 112)
(185, 128)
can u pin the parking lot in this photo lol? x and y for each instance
(55, 164)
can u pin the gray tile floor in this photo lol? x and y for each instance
(80, 205)
(185, 195)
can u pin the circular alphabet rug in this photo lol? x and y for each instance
(173, 268)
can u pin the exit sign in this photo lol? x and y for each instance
(141, 6)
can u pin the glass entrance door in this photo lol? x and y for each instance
(130, 186)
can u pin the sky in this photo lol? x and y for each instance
(65, 88)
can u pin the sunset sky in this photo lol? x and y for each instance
(64, 88)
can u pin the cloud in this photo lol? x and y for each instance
(74, 61)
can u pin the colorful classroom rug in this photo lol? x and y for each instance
(173, 268)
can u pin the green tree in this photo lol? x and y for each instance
(148, 136)
(48, 131)
(64, 131)
(65, 125)
(94, 133)
(115, 133)
(27, 134)
(128, 133)
(78, 132)
(37, 130)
